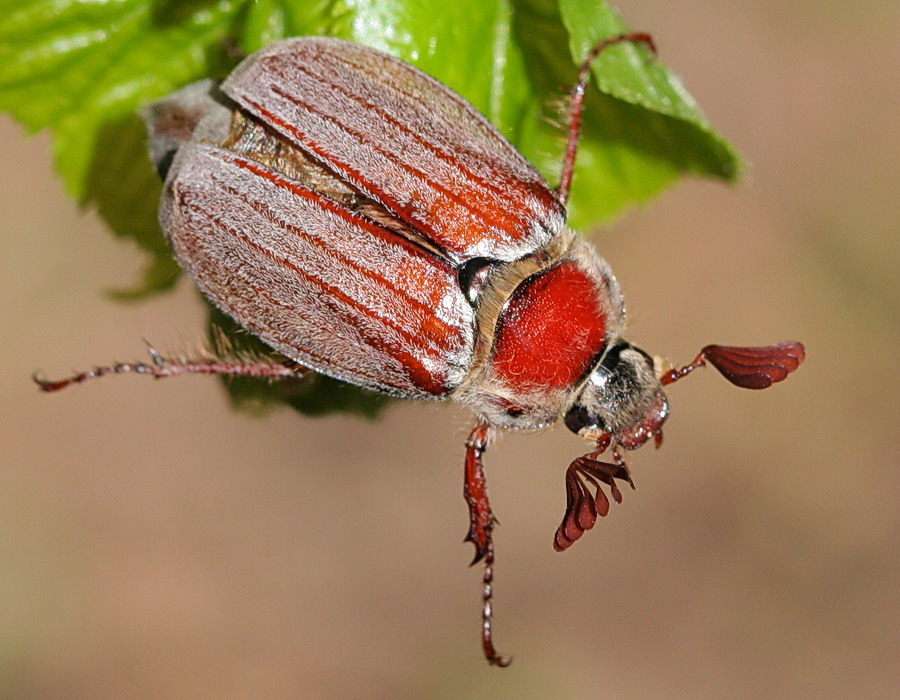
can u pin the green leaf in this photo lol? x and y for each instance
(125, 189)
(641, 128)
(648, 128)
(83, 69)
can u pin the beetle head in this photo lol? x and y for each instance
(622, 398)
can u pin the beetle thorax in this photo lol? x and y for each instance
(543, 322)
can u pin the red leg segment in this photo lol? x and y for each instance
(481, 525)
(577, 106)
(159, 367)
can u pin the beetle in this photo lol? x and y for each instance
(366, 222)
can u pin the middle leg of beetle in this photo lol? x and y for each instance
(576, 105)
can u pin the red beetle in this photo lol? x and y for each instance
(366, 222)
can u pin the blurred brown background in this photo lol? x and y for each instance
(155, 544)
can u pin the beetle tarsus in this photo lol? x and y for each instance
(161, 366)
(487, 612)
(155, 355)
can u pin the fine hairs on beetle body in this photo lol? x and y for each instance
(367, 223)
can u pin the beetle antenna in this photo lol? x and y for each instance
(746, 367)
(576, 105)
(161, 366)
(582, 507)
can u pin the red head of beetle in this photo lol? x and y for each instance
(367, 223)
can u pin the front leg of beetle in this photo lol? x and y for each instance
(481, 519)
(481, 525)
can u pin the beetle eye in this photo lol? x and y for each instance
(578, 418)
(611, 358)
(647, 358)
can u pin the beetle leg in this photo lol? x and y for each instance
(583, 508)
(160, 366)
(576, 105)
(481, 526)
(481, 519)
